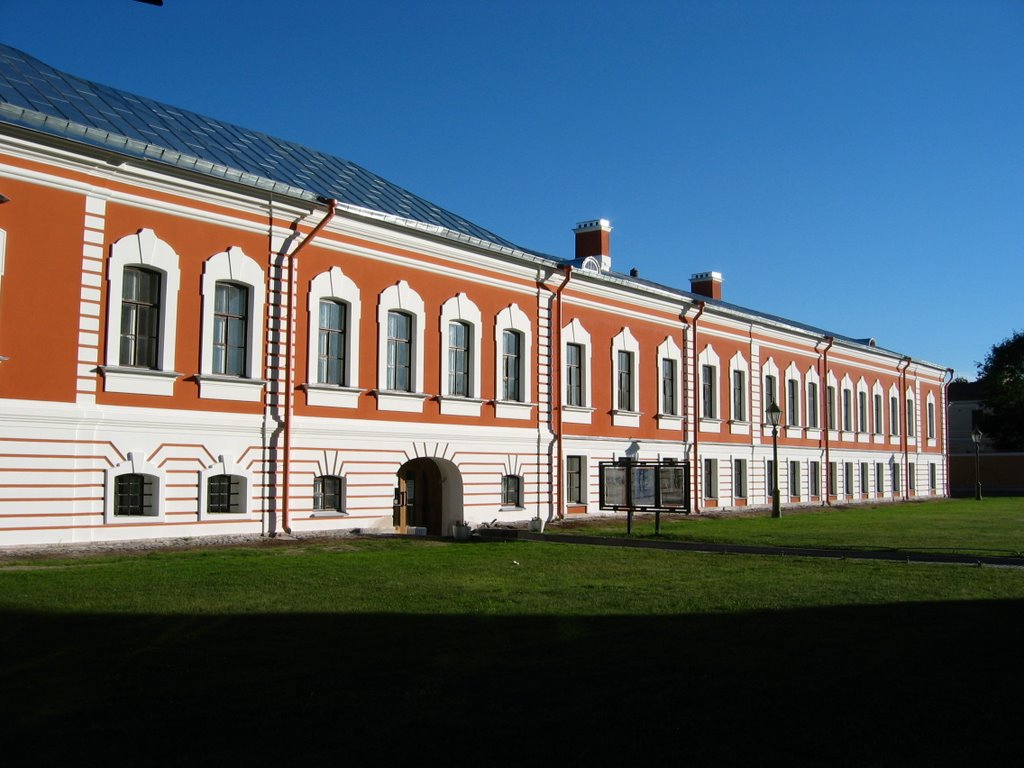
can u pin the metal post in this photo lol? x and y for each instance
(776, 507)
(977, 471)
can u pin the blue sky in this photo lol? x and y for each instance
(854, 165)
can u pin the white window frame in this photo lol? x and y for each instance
(136, 464)
(233, 266)
(794, 426)
(400, 297)
(583, 480)
(768, 368)
(708, 357)
(624, 341)
(846, 394)
(878, 414)
(709, 479)
(911, 416)
(142, 249)
(226, 466)
(863, 435)
(460, 309)
(833, 382)
(333, 285)
(811, 377)
(738, 363)
(894, 423)
(342, 493)
(575, 333)
(669, 350)
(512, 318)
(930, 423)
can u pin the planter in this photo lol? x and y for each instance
(536, 525)
(461, 532)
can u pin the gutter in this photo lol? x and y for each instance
(696, 415)
(824, 412)
(289, 348)
(905, 362)
(555, 412)
(945, 430)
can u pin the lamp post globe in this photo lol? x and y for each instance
(774, 416)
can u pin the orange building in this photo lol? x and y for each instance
(209, 330)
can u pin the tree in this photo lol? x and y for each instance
(1002, 373)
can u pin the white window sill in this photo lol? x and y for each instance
(813, 433)
(878, 439)
(512, 409)
(138, 381)
(576, 414)
(863, 437)
(227, 516)
(401, 402)
(332, 396)
(452, 405)
(128, 520)
(328, 513)
(625, 418)
(511, 509)
(710, 425)
(794, 431)
(931, 442)
(214, 387)
(670, 421)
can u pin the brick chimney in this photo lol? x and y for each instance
(706, 284)
(593, 238)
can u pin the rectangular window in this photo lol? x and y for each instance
(710, 478)
(812, 404)
(739, 478)
(931, 420)
(458, 359)
(830, 407)
(879, 416)
(399, 351)
(140, 318)
(832, 481)
(793, 402)
(932, 478)
(133, 495)
(794, 478)
(230, 329)
(894, 416)
(511, 491)
(911, 480)
(848, 479)
(511, 360)
(739, 395)
(847, 410)
(863, 477)
(770, 391)
(625, 381)
(769, 480)
(895, 470)
(708, 391)
(327, 493)
(911, 417)
(668, 387)
(862, 412)
(814, 476)
(224, 494)
(574, 374)
(879, 477)
(574, 474)
(331, 349)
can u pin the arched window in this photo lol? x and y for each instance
(328, 494)
(224, 491)
(335, 312)
(514, 344)
(133, 490)
(142, 316)
(230, 325)
(399, 352)
(401, 316)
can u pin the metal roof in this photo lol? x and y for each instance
(36, 96)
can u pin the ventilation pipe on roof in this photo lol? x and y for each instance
(289, 364)
(594, 240)
(707, 284)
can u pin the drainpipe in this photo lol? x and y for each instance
(905, 362)
(696, 416)
(289, 365)
(556, 384)
(945, 430)
(824, 413)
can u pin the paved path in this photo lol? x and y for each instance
(744, 549)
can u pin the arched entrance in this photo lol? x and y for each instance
(429, 495)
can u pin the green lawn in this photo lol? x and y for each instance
(992, 527)
(386, 650)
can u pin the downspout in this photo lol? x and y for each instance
(556, 382)
(945, 430)
(289, 365)
(905, 362)
(824, 414)
(696, 416)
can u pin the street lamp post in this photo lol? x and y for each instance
(774, 415)
(976, 436)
